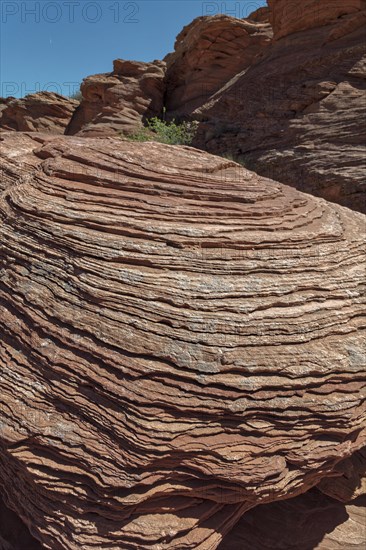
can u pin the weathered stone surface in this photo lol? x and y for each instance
(306, 522)
(41, 112)
(290, 16)
(119, 101)
(181, 340)
(17, 157)
(298, 115)
(208, 53)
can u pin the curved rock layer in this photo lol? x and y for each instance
(181, 340)
(303, 523)
(208, 53)
(40, 112)
(118, 102)
(298, 115)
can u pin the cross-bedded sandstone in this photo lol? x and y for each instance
(181, 340)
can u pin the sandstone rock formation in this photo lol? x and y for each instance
(208, 53)
(42, 112)
(292, 108)
(298, 115)
(181, 340)
(288, 17)
(118, 102)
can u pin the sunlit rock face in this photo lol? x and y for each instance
(39, 112)
(208, 53)
(291, 17)
(282, 91)
(181, 340)
(118, 102)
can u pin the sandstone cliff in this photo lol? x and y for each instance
(298, 115)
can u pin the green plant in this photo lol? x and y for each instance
(166, 132)
(77, 95)
(228, 156)
(240, 158)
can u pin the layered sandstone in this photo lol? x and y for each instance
(181, 341)
(118, 102)
(298, 115)
(208, 53)
(292, 109)
(39, 112)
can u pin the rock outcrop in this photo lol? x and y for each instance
(40, 112)
(118, 102)
(298, 114)
(181, 340)
(282, 91)
(208, 53)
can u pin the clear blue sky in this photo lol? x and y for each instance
(53, 45)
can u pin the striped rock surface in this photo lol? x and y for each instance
(181, 340)
(290, 17)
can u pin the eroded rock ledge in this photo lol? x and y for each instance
(41, 112)
(181, 340)
(118, 102)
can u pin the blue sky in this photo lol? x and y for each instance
(53, 45)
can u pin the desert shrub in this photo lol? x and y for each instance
(77, 95)
(240, 158)
(171, 133)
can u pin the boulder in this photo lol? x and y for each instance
(118, 102)
(39, 112)
(208, 53)
(181, 341)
